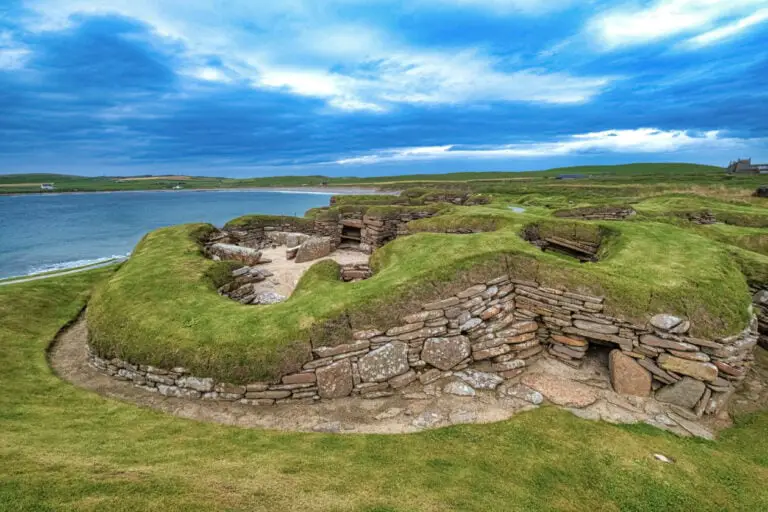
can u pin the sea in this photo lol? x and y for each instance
(46, 232)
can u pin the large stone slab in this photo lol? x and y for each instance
(561, 391)
(695, 369)
(236, 253)
(384, 363)
(686, 392)
(628, 377)
(596, 327)
(314, 248)
(335, 380)
(445, 353)
(665, 322)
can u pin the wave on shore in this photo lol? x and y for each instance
(67, 265)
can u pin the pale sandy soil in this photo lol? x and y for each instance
(287, 272)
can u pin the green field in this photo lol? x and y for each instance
(608, 175)
(62, 448)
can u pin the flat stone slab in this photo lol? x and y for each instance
(335, 380)
(384, 363)
(686, 393)
(445, 353)
(627, 376)
(561, 391)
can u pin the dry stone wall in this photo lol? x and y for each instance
(485, 334)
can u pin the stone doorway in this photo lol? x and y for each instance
(351, 233)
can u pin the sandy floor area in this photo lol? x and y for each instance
(287, 272)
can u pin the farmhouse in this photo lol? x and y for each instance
(745, 166)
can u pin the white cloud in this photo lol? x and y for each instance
(641, 140)
(306, 49)
(209, 74)
(729, 30)
(13, 55)
(662, 19)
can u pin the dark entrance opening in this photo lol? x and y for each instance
(351, 233)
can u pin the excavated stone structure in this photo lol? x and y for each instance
(486, 334)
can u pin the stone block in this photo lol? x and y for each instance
(685, 393)
(445, 353)
(314, 248)
(384, 362)
(702, 371)
(627, 376)
(335, 380)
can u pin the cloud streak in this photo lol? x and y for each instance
(642, 140)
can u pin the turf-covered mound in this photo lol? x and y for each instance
(161, 308)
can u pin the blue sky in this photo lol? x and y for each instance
(373, 87)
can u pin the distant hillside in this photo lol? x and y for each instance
(19, 183)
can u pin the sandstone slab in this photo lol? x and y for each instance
(686, 392)
(561, 391)
(480, 380)
(335, 380)
(459, 388)
(665, 322)
(445, 353)
(314, 248)
(702, 371)
(627, 376)
(384, 362)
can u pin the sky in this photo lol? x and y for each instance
(375, 87)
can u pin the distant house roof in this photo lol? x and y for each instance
(745, 165)
(570, 176)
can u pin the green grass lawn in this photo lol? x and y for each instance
(62, 448)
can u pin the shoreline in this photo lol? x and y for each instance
(330, 191)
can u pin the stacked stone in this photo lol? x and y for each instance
(242, 287)
(377, 231)
(705, 217)
(495, 328)
(355, 272)
(760, 302)
(597, 213)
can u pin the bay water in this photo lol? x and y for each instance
(44, 232)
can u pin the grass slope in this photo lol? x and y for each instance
(161, 308)
(62, 448)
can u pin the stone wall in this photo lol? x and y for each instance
(760, 302)
(377, 231)
(487, 333)
(597, 213)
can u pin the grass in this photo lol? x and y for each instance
(30, 183)
(62, 448)
(161, 308)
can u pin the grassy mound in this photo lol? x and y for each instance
(161, 308)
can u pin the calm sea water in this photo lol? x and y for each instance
(45, 232)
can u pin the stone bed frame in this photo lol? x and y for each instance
(487, 333)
